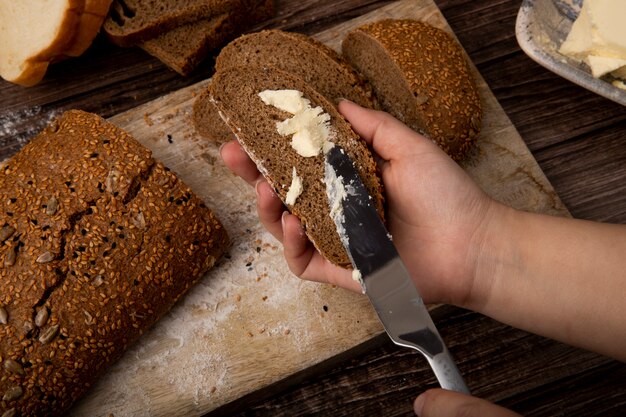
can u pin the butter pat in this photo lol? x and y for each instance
(598, 37)
(310, 126)
(285, 100)
(295, 189)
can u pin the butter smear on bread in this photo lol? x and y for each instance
(295, 189)
(598, 37)
(309, 126)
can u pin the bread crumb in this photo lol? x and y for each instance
(213, 389)
(147, 119)
(261, 330)
(286, 332)
(264, 298)
(250, 334)
(238, 297)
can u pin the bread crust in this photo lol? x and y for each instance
(30, 70)
(295, 53)
(420, 75)
(79, 27)
(90, 23)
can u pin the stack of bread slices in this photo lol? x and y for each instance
(33, 35)
(182, 32)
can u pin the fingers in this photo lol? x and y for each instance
(270, 209)
(443, 403)
(389, 137)
(297, 248)
(238, 161)
(306, 262)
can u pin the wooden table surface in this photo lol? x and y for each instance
(578, 138)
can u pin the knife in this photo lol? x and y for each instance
(383, 275)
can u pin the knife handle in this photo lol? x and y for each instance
(447, 373)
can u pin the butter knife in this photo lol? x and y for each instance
(383, 275)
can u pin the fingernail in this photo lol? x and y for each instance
(222, 147)
(256, 188)
(283, 218)
(418, 405)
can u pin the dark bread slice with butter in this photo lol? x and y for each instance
(421, 76)
(133, 21)
(235, 92)
(298, 54)
(184, 47)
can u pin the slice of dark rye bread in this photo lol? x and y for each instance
(133, 21)
(421, 76)
(184, 47)
(298, 54)
(98, 240)
(235, 92)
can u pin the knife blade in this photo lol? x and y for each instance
(384, 277)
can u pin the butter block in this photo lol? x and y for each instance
(598, 37)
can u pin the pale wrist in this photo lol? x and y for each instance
(494, 254)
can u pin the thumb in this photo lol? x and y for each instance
(443, 403)
(390, 138)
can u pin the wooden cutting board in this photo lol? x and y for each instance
(250, 323)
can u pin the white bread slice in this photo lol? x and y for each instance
(90, 22)
(32, 33)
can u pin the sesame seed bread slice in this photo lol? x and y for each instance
(133, 21)
(32, 33)
(98, 241)
(298, 54)
(235, 92)
(421, 76)
(184, 47)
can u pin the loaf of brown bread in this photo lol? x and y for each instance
(184, 47)
(98, 241)
(235, 92)
(420, 75)
(297, 54)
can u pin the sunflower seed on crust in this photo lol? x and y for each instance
(13, 393)
(49, 334)
(42, 317)
(10, 257)
(6, 232)
(45, 257)
(4, 316)
(12, 412)
(13, 366)
(52, 206)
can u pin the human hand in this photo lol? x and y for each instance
(436, 213)
(442, 403)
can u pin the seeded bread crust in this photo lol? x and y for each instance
(184, 47)
(235, 93)
(98, 242)
(298, 54)
(421, 76)
(134, 21)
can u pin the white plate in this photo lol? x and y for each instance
(542, 25)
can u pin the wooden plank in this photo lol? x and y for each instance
(250, 323)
